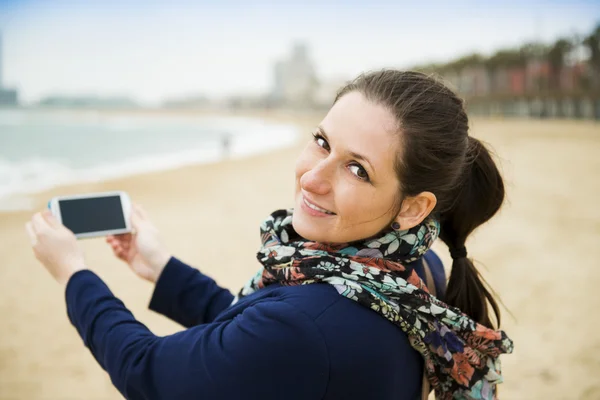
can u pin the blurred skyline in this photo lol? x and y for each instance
(155, 51)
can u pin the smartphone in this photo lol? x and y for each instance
(93, 214)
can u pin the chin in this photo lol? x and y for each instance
(307, 229)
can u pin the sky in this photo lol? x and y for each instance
(152, 51)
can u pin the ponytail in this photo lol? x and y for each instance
(477, 199)
(433, 133)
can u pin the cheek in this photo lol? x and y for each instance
(358, 200)
(362, 204)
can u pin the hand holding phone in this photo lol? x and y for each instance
(55, 247)
(143, 250)
(112, 214)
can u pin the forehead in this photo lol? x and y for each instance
(357, 124)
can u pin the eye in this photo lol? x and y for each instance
(355, 168)
(359, 171)
(320, 141)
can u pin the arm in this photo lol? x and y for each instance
(188, 297)
(181, 293)
(261, 353)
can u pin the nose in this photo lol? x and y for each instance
(317, 179)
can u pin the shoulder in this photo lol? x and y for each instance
(279, 316)
(343, 322)
(333, 337)
(312, 300)
(259, 351)
(355, 338)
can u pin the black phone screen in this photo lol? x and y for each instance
(93, 214)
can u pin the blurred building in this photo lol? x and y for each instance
(538, 75)
(326, 91)
(8, 97)
(294, 79)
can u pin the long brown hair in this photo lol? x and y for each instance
(439, 156)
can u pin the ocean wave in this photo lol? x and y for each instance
(18, 179)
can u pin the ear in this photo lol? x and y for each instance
(415, 209)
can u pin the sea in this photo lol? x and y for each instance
(41, 149)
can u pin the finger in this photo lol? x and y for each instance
(116, 246)
(51, 219)
(113, 242)
(119, 252)
(136, 220)
(38, 223)
(123, 241)
(122, 253)
(31, 233)
(117, 238)
(140, 210)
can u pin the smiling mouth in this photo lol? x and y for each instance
(312, 206)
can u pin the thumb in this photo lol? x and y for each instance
(136, 220)
(51, 219)
(31, 233)
(140, 211)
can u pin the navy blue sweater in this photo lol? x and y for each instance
(298, 342)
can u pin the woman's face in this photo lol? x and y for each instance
(347, 173)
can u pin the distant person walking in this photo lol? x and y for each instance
(225, 145)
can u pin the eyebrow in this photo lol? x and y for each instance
(353, 154)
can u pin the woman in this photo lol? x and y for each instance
(390, 169)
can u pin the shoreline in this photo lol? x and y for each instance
(242, 147)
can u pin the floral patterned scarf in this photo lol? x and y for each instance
(461, 356)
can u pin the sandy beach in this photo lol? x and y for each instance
(541, 254)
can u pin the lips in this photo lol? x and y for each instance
(316, 207)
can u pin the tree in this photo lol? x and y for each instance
(556, 59)
(533, 51)
(465, 61)
(506, 58)
(592, 42)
